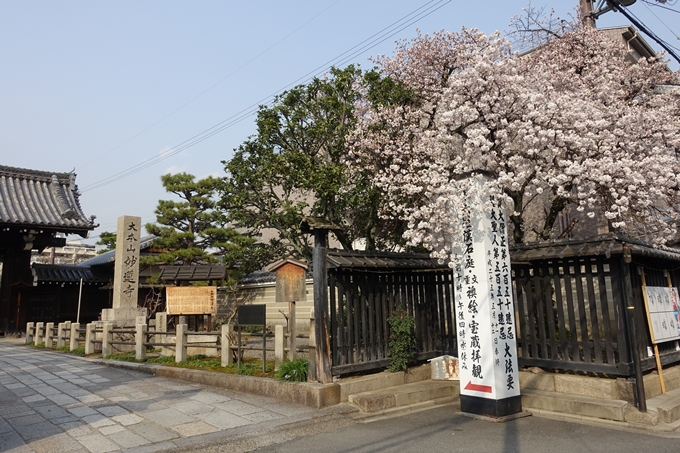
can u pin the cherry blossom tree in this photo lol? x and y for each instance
(571, 123)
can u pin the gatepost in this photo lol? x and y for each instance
(487, 348)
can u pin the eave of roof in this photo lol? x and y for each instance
(41, 199)
(110, 256)
(62, 273)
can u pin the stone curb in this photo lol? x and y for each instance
(308, 394)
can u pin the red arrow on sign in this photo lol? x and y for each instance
(478, 388)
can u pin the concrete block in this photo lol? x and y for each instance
(373, 402)
(624, 389)
(533, 381)
(361, 384)
(669, 407)
(584, 386)
(419, 373)
(633, 415)
(574, 404)
(419, 392)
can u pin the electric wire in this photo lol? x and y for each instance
(661, 6)
(660, 20)
(374, 40)
(643, 28)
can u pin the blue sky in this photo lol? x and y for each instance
(103, 86)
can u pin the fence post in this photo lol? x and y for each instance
(89, 336)
(66, 332)
(311, 375)
(320, 272)
(140, 339)
(30, 331)
(227, 358)
(279, 345)
(181, 343)
(39, 332)
(60, 335)
(161, 326)
(73, 339)
(292, 330)
(106, 339)
(49, 335)
(225, 341)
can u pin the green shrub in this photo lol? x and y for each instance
(161, 359)
(125, 356)
(402, 344)
(293, 371)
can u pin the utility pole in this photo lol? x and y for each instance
(586, 8)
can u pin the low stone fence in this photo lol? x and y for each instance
(107, 338)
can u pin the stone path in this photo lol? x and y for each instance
(53, 402)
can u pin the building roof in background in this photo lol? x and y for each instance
(258, 277)
(63, 273)
(110, 256)
(193, 273)
(42, 199)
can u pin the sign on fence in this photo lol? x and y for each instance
(663, 313)
(191, 300)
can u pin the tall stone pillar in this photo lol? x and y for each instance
(485, 314)
(126, 272)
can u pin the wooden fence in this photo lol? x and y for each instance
(365, 290)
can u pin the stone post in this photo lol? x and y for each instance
(49, 335)
(39, 332)
(73, 339)
(126, 272)
(60, 334)
(292, 330)
(161, 326)
(106, 339)
(140, 339)
(89, 336)
(227, 357)
(279, 345)
(30, 332)
(311, 375)
(181, 343)
(66, 332)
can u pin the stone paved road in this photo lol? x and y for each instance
(52, 402)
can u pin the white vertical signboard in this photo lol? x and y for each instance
(485, 315)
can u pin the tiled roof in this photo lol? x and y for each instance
(110, 256)
(193, 273)
(258, 277)
(62, 273)
(32, 198)
(380, 260)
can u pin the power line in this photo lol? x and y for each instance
(660, 20)
(379, 37)
(661, 6)
(643, 28)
